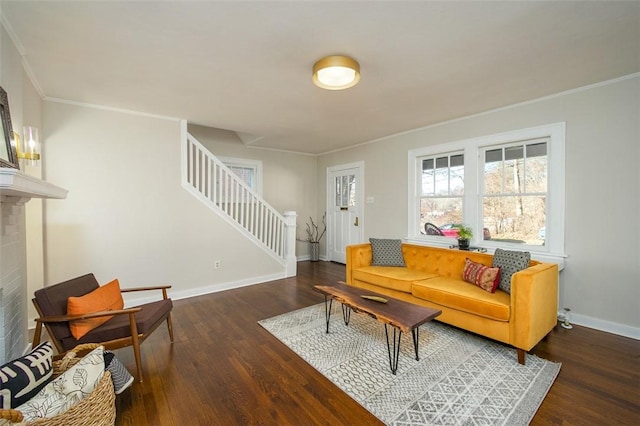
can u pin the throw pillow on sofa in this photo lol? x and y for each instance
(483, 276)
(66, 390)
(386, 252)
(509, 262)
(23, 377)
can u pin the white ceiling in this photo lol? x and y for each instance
(246, 66)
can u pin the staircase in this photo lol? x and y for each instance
(214, 184)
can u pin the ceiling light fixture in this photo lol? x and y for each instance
(336, 73)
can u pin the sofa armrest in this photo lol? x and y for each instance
(358, 255)
(534, 304)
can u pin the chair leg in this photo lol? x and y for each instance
(136, 353)
(521, 355)
(136, 345)
(170, 327)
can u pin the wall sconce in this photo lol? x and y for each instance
(29, 148)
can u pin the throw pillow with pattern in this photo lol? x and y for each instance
(386, 252)
(23, 377)
(509, 262)
(483, 276)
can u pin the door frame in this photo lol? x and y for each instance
(360, 200)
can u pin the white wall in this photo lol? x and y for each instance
(601, 281)
(127, 216)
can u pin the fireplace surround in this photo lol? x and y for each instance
(16, 189)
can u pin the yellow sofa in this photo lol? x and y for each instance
(433, 277)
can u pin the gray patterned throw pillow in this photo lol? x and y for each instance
(386, 252)
(509, 263)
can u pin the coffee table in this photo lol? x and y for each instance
(401, 316)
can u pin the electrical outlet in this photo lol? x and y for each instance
(216, 264)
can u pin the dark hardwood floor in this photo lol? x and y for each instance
(224, 369)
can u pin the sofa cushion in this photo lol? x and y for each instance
(23, 377)
(509, 262)
(459, 295)
(483, 276)
(386, 252)
(395, 278)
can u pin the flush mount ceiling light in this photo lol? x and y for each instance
(336, 73)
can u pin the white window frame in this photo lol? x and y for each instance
(554, 247)
(256, 165)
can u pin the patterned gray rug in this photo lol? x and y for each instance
(461, 379)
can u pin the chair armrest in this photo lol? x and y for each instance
(66, 318)
(357, 256)
(534, 304)
(158, 287)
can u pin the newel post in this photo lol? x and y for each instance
(290, 243)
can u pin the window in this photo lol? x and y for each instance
(250, 171)
(442, 190)
(514, 191)
(510, 186)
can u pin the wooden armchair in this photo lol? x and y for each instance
(128, 327)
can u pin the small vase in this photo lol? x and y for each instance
(314, 251)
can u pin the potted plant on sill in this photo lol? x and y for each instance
(314, 235)
(464, 237)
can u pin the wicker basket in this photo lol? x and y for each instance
(98, 409)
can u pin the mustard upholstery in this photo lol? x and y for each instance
(433, 278)
(393, 277)
(460, 295)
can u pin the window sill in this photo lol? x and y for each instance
(541, 256)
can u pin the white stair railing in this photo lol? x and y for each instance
(213, 183)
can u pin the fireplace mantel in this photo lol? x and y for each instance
(14, 183)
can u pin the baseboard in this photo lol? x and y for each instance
(307, 257)
(606, 326)
(208, 289)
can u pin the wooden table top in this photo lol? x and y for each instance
(403, 315)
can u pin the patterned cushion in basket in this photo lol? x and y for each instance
(67, 389)
(509, 263)
(22, 378)
(386, 252)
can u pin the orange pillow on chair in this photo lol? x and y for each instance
(105, 298)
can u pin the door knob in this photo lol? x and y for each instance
(356, 222)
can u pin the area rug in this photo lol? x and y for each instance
(460, 379)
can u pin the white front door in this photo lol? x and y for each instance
(344, 209)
